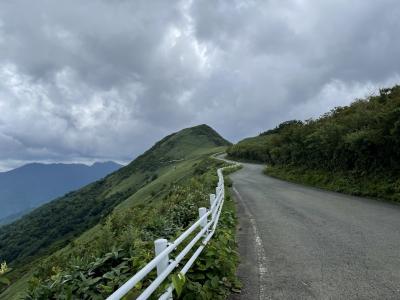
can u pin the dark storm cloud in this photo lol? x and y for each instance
(84, 80)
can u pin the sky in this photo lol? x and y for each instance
(84, 81)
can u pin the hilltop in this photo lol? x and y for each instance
(80, 215)
(184, 144)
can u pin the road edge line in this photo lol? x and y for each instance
(261, 256)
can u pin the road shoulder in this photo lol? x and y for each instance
(249, 269)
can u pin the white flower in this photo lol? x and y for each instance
(3, 268)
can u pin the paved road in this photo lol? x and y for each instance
(303, 243)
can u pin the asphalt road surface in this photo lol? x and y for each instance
(298, 242)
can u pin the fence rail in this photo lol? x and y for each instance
(207, 223)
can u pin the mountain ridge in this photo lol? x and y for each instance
(34, 184)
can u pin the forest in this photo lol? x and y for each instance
(352, 149)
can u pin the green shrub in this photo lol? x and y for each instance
(356, 145)
(344, 182)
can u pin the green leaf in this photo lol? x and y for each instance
(197, 276)
(4, 280)
(214, 282)
(178, 281)
(138, 285)
(237, 291)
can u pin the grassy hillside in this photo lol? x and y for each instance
(147, 200)
(353, 149)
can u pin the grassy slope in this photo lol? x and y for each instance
(171, 160)
(153, 192)
(221, 248)
(171, 174)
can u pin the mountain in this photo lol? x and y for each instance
(32, 185)
(11, 218)
(79, 217)
(352, 149)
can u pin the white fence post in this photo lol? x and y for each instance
(212, 200)
(203, 223)
(159, 246)
(202, 212)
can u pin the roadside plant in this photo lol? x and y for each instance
(4, 269)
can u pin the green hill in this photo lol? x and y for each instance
(56, 230)
(353, 149)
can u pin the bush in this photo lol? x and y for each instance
(360, 141)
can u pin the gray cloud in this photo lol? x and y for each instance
(85, 80)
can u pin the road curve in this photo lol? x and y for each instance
(298, 242)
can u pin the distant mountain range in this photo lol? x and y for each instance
(31, 185)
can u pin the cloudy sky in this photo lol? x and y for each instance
(105, 79)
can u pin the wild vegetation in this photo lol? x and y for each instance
(56, 222)
(109, 227)
(3, 272)
(353, 149)
(94, 268)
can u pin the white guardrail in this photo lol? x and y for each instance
(207, 222)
